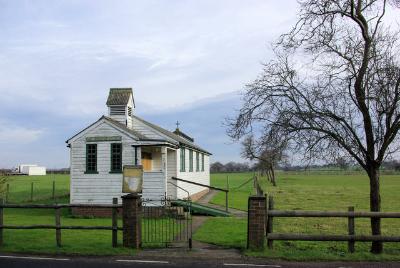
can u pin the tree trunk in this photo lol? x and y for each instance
(375, 205)
(268, 175)
(273, 176)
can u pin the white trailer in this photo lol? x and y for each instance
(32, 170)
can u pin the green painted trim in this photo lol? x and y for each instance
(104, 138)
(111, 159)
(91, 172)
(197, 161)
(115, 172)
(202, 162)
(182, 159)
(190, 160)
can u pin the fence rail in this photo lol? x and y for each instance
(58, 227)
(332, 214)
(351, 237)
(226, 191)
(33, 190)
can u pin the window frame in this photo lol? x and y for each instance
(182, 159)
(112, 155)
(202, 162)
(197, 162)
(190, 160)
(89, 169)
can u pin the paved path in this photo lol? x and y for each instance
(205, 200)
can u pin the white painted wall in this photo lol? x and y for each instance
(202, 177)
(154, 186)
(98, 188)
(101, 188)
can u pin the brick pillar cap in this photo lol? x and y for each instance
(131, 196)
(255, 197)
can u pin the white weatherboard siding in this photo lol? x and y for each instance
(129, 130)
(98, 188)
(202, 177)
(154, 185)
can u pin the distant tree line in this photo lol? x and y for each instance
(231, 167)
(58, 171)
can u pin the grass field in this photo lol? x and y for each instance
(20, 187)
(311, 191)
(305, 191)
(308, 192)
(86, 242)
(43, 241)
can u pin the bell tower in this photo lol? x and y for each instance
(121, 105)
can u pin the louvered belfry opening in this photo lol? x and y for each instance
(117, 110)
(121, 104)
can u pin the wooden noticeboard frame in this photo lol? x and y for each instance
(132, 180)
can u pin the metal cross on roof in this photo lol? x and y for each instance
(177, 124)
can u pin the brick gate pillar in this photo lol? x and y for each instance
(256, 222)
(131, 220)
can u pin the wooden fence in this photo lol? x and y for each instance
(226, 191)
(57, 217)
(351, 237)
(31, 196)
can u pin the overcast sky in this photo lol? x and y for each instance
(185, 60)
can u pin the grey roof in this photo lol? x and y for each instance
(125, 128)
(117, 124)
(185, 136)
(119, 96)
(141, 137)
(182, 141)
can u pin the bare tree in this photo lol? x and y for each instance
(269, 151)
(342, 162)
(333, 88)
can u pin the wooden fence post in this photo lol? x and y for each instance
(226, 194)
(115, 224)
(58, 226)
(266, 215)
(270, 223)
(226, 201)
(351, 229)
(31, 191)
(1, 222)
(7, 192)
(54, 191)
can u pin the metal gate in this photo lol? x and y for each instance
(166, 224)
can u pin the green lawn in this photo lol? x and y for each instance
(87, 242)
(20, 187)
(237, 197)
(90, 242)
(308, 191)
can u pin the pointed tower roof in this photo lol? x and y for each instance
(119, 96)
